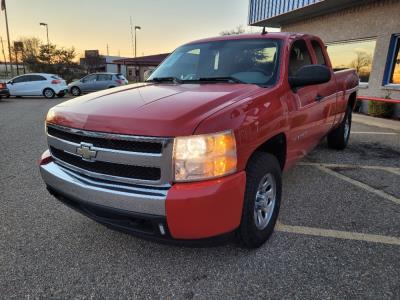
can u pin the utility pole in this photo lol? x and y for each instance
(133, 43)
(4, 55)
(136, 29)
(4, 7)
(108, 51)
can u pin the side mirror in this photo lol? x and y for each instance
(310, 75)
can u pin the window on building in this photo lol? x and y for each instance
(357, 55)
(318, 52)
(392, 72)
(299, 57)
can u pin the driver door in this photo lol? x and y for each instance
(89, 83)
(18, 86)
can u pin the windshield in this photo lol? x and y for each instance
(253, 61)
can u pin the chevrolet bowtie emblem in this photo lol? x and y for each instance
(85, 151)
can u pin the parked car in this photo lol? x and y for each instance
(4, 92)
(37, 84)
(96, 82)
(198, 151)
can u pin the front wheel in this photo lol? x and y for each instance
(339, 137)
(262, 199)
(49, 93)
(60, 95)
(75, 91)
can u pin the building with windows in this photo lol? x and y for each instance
(137, 68)
(360, 34)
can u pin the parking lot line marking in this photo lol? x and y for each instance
(348, 166)
(359, 184)
(347, 235)
(377, 133)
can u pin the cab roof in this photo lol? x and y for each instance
(271, 35)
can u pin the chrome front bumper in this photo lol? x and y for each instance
(127, 197)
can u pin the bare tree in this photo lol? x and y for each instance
(362, 60)
(238, 30)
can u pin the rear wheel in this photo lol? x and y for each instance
(49, 93)
(339, 137)
(262, 199)
(75, 91)
(61, 95)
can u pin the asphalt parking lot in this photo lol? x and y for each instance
(338, 234)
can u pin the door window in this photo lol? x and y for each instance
(90, 78)
(36, 78)
(299, 57)
(319, 53)
(104, 77)
(21, 79)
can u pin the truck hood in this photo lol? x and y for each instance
(148, 109)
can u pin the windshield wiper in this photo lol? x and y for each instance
(221, 79)
(166, 79)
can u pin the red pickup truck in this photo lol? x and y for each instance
(198, 150)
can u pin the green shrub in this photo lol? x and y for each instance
(380, 109)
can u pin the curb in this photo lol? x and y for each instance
(378, 122)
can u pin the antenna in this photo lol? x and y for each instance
(264, 31)
(108, 51)
(133, 43)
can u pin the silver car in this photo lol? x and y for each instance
(96, 82)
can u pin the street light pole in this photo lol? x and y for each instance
(136, 29)
(47, 30)
(48, 41)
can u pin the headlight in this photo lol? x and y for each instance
(204, 157)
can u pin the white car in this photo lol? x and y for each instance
(37, 84)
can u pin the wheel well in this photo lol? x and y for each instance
(352, 100)
(277, 147)
(48, 88)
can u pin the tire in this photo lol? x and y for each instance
(262, 168)
(60, 95)
(111, 87)
(49, 93)
(75, 91)
(339, 137)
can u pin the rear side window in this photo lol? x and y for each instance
(120, 76)
(104, 77)
(36, 78)
(299, 57)
(319, 53)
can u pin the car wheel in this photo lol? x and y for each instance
(111, 87)
(60, 95)
(49, 93)
(339, 137)
(261, 201)
(75, 91)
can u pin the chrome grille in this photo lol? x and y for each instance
(118, 158)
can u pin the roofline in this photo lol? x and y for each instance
(309, 11)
